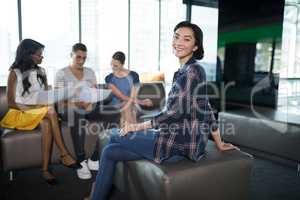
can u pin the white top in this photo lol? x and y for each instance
(36, 87)
(65, 78)
(38, 95)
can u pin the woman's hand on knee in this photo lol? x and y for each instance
(127, 128)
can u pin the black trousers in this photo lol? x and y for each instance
(79, 120)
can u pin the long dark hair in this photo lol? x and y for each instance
(198, 34)
(25, 64)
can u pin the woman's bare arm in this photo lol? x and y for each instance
(11, 90)
(220, 144)
(135, 127)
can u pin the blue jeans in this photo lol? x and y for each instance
(134, 146)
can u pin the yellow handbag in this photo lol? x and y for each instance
(24, 120)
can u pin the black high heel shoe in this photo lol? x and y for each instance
(49, 178)
(68, 161)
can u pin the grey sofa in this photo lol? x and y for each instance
(266, 132)
(217, 176)
(22, 149)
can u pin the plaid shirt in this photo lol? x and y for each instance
(188, 119)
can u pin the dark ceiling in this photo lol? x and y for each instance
(244, 13)
(249, 13)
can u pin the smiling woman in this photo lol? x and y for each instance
(184, 44)
(173, 139)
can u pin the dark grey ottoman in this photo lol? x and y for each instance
(218, 176)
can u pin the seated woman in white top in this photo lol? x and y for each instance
(25, 79)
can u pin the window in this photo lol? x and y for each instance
(207, 19)
(9, 38)
(172, 12)
(104, 31)
(263, 57)
(55, 24)
(291, 42)
(289, 83)
(144, 35)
